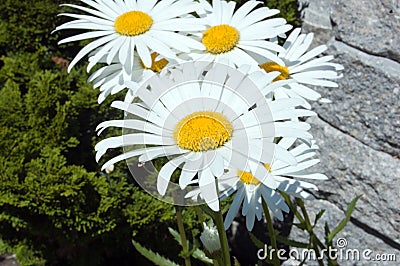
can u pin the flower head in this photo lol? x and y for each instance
(123, 27)
(204, 126)
(303, 66)
(250, 192)
(111, 79)
(233, 37)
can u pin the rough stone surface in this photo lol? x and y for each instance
(353, 169)
(8, 260)
(316, 18)
(359, 132)
(366, 103)
(351, 238)
(369, 25)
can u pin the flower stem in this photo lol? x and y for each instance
(271, 231)
(219, 222)
(183, 235)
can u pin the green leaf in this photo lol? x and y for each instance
(200, 255)
(156, 258)
(343, 223)
(256, 241)
(176, 235)
(236, 262)
(302, 225)
(318, 216)
(196, 253)
(291, 242)
(327, 229)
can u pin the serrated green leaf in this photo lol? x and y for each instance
(200, 255)
(343, 223)
(176, 235)
(235, 262)
(197, 253)
(156, 258)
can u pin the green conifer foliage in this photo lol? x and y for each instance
(52, 197)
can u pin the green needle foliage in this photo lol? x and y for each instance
(52, 197)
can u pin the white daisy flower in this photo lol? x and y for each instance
(250, 191)
(124, 26)
(205, 125)
(113, 78)
(230, 36)
(303, 66)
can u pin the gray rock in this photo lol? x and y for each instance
(316, 18)
(359, 132)
(366, 103)
(8, 260)
(355, 169)
(369, 25)
(351, 238)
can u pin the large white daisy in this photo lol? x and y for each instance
(230, 36)
(205, 120)
(124, 26)
(250, 191)
(111, 79)
(303, 66)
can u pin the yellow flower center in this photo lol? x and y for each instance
(272, 66)
(203, 131)
(133, 23)
(220, 39)
(248, 178)
(156, 66)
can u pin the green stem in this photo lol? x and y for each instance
(218, 262)
(219, 222)
(271, 231)
(200, 216)
(315, 242)
(183, 235)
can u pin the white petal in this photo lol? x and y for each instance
(208, 189)
(161, 152)
(245, 9)
(130, 124)
(157, 46)
(179, 24)
(233, 210)
(91, 46)
(143, 52)
(86, 35)
(255, 16)
(313, 53)
(165, 173)
(189, 170)
(91, 11)
(305, 91)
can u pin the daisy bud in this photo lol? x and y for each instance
(210, 239)
(109, 169)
